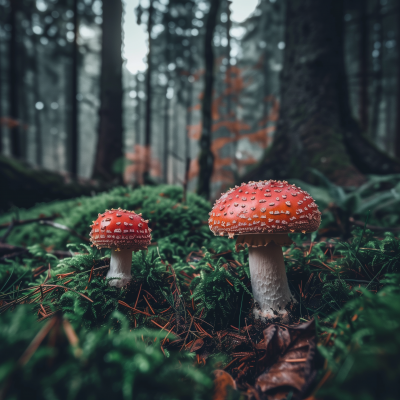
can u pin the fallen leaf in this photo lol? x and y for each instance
(197, 345)
(222, 382)
(290, 360)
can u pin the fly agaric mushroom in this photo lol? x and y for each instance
(262, 214)
(123, 232)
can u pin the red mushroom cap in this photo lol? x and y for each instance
(120, 229)
(264, 207)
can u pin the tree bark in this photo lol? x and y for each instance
(110, 140)
(397, 140)
(147, 143)
(189, 100)
(378, 78)
(363, 60)
(13, 85)
(1, 101)
(166, 102)
(316, 128)
(206, 157)
(36, 91)
(138, 127)
(166, 134)
(74, 135)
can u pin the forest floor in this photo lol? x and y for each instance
(183, 327)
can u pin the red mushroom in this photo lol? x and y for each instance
(262, 214)
(123, 232)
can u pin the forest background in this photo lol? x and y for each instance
(304, 90)
(69, 103)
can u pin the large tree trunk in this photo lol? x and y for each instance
(13, 84)
(147, 142)
(74, 134)
(316, 128)
(363, 64)
(1, 101)
(378, 78)
(206, 157)
(397, 140)
(110, 140)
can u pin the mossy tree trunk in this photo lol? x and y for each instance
(316, 128)
(110, 141)
(206, 157)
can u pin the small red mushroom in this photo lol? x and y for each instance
(262, 214)
(123, 232)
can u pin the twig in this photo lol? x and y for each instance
(28, 353)
(373, 227)
(28, 221)
(15, 251)
(11, 225)
(134, 309)
(8, 231)
(137, 298)
(64, 228)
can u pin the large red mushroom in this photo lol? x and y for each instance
(262, 214)
(123, 232)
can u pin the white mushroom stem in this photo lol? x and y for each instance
(120, 267)
(268, 280)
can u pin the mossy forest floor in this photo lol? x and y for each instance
(183, 327)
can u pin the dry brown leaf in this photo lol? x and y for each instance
(222, 382)
(289, 362)
(197, 345)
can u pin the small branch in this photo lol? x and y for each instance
(28, 221)
(10, 251)
(11, 225)
(64, 228)
(373, 227)
(8, 231)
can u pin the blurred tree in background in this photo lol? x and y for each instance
(316, 128)
(69, 104)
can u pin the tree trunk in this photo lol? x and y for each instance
(13, 84)
(166, 103)
(73, 140)
(1, 101)
(206, 157)
(228, 58)
(110, 141)
(138, 131)
(316, 128)
(363, 65)
(147, 143)
(166, 134)
(189, 99)
(397, 140)
(36, 92)
(378, 78)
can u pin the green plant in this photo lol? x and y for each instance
(110, 362)
(380, 195)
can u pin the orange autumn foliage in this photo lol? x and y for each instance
(11, 123)
(134, 172)
(237, 129)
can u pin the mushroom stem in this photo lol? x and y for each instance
(269, 281)
(120, 267)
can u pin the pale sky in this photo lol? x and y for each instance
(135, 38)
